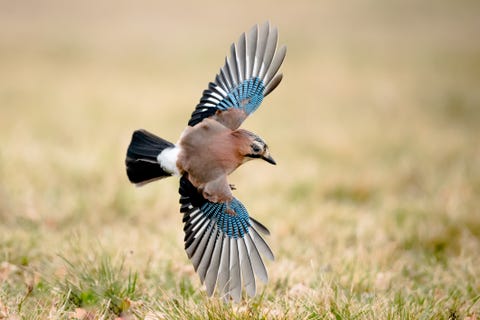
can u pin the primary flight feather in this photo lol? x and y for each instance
(222, 241)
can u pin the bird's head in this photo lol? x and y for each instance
(253, 147)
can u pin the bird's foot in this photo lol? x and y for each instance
(231, 212)
(232, 187)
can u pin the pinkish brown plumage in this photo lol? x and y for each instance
(209, 152)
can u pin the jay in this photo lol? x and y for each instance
(222, 241)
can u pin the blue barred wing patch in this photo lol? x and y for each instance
(224, 248)
(247, 96)
(234, 226)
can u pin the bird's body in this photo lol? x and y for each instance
(221, 238)
(208, 154)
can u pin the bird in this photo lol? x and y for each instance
(223, 242)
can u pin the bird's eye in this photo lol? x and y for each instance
(255, 148)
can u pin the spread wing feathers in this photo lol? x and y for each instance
(224, 249)
(248, 75)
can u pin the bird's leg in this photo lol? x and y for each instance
(232, 187)
(229, 210)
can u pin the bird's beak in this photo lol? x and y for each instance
(267, 157)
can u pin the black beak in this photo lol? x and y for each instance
(269, 159)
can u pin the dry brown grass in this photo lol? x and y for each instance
(373, 208)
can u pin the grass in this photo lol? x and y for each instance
(373, 207)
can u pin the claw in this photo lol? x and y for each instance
(229, 210)
(232, 187)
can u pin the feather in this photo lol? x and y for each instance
(213, 268)
(261, 46)
(221, 81)
(142, 158)
(215, 93)
(246, 267)
(201, 248)
(275, 65)
(273, 84)
(191, 227)
(207, 255)
(195, 222)
(259, 226)
(225, 72)
(261, 245)
(232, 65)
(192, 239)
(221, 93)
(251, 48)
(224, 271)
(257, 262)
(191, 244)
(207, 101)
(235, 282)
(241, 57)
(184, 208)
(269, 52)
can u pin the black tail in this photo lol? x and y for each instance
(141, 161)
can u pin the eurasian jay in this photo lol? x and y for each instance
(222, 241)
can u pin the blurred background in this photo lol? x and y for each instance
(375, 128)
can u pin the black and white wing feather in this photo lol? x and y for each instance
(224, 249)
(248, 75)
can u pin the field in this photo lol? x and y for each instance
(373, 208)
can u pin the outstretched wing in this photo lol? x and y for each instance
(224, 248)
(249, 75)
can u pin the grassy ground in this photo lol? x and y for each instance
(373, 208)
